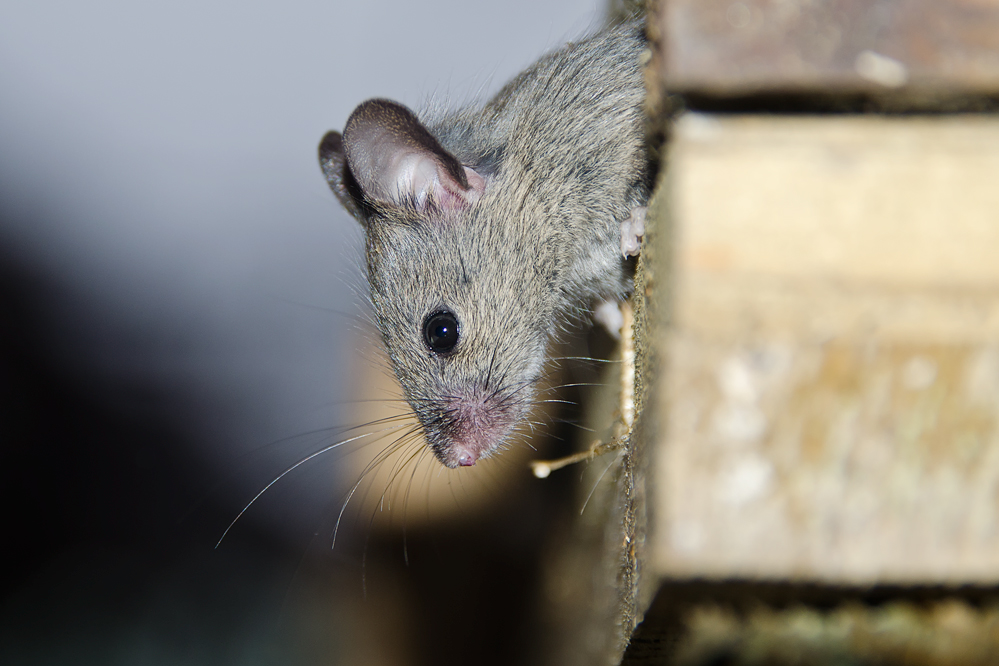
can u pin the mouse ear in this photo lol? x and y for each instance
(396, 160)
(333, 161)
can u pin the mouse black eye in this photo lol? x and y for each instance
(440, 332)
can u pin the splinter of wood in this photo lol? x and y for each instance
(626, 407)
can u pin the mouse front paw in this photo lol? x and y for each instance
(608, 314)
(632, 231)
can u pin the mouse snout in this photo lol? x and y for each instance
(466, 458)
(471, 427)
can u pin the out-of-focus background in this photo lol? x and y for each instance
(182, 319)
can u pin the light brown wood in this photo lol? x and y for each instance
(763, 46)
(831, 396)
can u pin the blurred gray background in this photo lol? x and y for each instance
(178, 308)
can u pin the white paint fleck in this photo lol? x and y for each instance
(919, 373)
(736, 380)
(748, 479)
(881, 69)
(739, 423)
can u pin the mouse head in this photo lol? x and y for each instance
(462, 296)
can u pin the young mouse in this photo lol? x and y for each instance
(489, 230)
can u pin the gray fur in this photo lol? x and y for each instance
(562, 153)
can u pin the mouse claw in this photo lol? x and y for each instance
(632, 231)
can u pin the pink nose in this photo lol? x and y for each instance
(466, 459)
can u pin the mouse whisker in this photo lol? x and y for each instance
(573, 384)
(399, 443)
(590, 359)
(298, 464)
(397, 468)
(596, 483)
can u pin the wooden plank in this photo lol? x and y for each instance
(722, 47)
(831, 401)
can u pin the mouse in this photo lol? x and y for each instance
(492, 229)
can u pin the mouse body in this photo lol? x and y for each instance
(491, 229)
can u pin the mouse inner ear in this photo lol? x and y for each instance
(396, 160)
